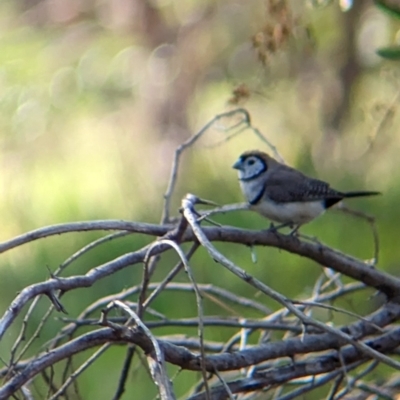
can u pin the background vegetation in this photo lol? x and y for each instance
(95, 97)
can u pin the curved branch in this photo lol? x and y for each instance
(323, 255)
(222, 362)
(73, 282)
(85, 226)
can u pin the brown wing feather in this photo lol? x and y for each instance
(289, 185)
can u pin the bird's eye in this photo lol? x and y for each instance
(250, 162)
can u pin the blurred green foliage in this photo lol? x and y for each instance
(391, 7)
(95, 98)
(390, 52)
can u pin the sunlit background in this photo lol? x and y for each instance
(96, 95)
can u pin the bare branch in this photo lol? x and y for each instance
(189, 142)
(188, 205)
(323, 255)
(79, 371)
(156, 360)
(222, 362)
(110, 225)
(291, 345)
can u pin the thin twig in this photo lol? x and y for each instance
(89, 247)
(171, 275)
(156, 361)
(94, 357)
(85, 226)
(372, 223)
(339, 310)
(22, 332)
(35, 334)
(189, 142)
(198, 303)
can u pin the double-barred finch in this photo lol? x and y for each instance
(283, 194)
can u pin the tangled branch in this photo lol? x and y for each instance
(294, 347)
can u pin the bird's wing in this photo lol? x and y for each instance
(288, 185)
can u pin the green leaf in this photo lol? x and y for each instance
(390, 53)
(390, 6)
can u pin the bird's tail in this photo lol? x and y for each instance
(360, 194)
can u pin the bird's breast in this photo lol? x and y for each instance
(296, 213)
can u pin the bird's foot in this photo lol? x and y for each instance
(274, 228)
(295, 231)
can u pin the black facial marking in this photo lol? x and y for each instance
(258, 197)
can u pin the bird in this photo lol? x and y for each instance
(283, 194)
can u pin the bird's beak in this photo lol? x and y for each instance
(238, 164)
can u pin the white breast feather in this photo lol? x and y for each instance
(296, 213)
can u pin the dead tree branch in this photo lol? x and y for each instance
(267, 349)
